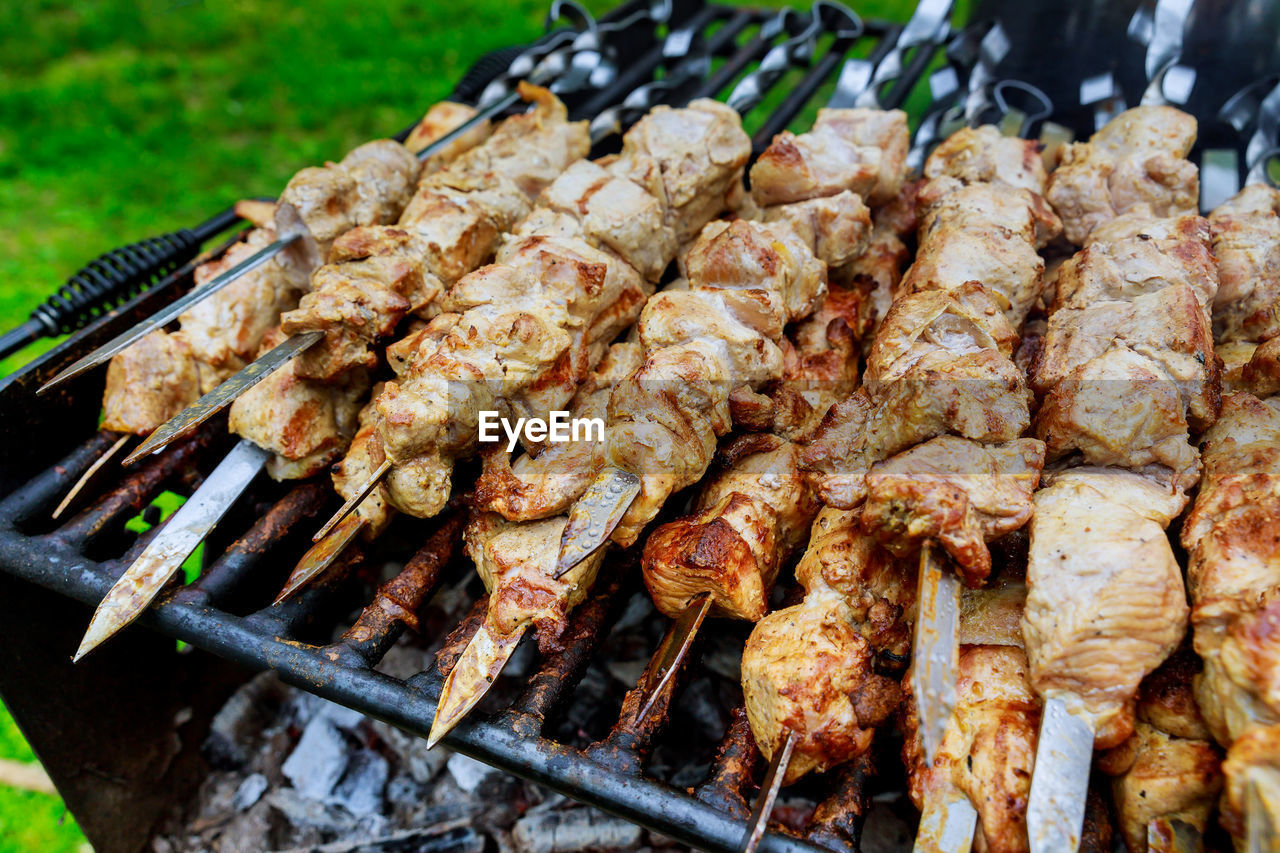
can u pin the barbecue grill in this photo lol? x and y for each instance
(104, 728)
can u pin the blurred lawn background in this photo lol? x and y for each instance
(120, 120)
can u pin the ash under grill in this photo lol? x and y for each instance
(108, 713)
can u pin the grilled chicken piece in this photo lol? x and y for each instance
(1127, 362)
(150, 382)
(1106, 604)
(441, 119)
(516, 560)
(940, 365)
(305, 423)
(362, 458)
(861, 150)
(1167, 768)
(517, 563)
(810, 668)
(370, 186)
(377, 275)
(956, 492)
(756, 508)
(1134, 164)
(521, 344)
(989, 747)
(1246, 243)
(226, 330)
(1234, 578)
(983, 155)
(986, 233)
(747, 281)
(838, 227)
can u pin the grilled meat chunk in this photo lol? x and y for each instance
(305, 423)
(1127, 362)
(985, 233)
(811, 668)
(989, 747)
(440, 120)
(370, 186)
(861, 150)
(1134, 164)
(956, 492)
(983, 155)
(940, 365)
(1246, 244)
(1234, 573)
(1167, 768)
(226, 330)
(1105, 604)
(150, 382)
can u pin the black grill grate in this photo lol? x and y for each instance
(226, 610)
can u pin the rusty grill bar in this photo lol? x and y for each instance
(227, 611)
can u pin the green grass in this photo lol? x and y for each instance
(120, 120)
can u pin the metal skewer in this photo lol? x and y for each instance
(143, 580)
(89, 474)
(321, 556)
(1171, 835)
(759, 820)
(230, 389)
(1064, 751)
(471, 677)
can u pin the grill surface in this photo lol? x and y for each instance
(103, 726)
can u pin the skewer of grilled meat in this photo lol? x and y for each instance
(949, 486)
(1126, 369)
(375, 275)
(564, 285)
(755, 510)
(300, 417)
(521, 333)
(1233, 583)
(987, 753)
(1135, 164)
(825, 365)
(369, 186)
(747, 280)
(513, 557)
(163, 373)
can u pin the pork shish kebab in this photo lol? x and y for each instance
(723, 333)
(316, 206)
(1126, 370)
(825, 368)
(755, 510)
(161, 374)
(984, 761)
(821, 362)
(1231, 575)
(823, 358)
(512, 557)
(302, 416)
(941, 391)
(521, 335)
(678, 168)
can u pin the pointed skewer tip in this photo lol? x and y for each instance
(595, 516)
(475, 671)
(769, 789)
(673, 651)
(321, 556)
(88, 475)
(347, 508)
